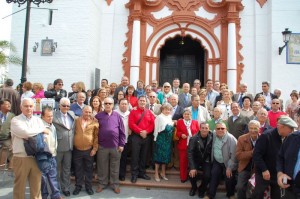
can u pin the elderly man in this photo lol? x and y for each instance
(8, 92)
(49, 176)
(141, 122)
(122, 87)
(262, 118)
(5, 122)
(85, 147)
(211, 93)
(153, 106)
(124, 113)
(154, 86)
(238, 97)
(57, 92)
(237, 123)
(255, 107)
(64, 122)
(199, 156)
(265, 156)
(197, 84)
(224, 161)
(78, 106)
(25, 167)
(111, 144)
(184, 99)
(216, 118)
(288, 166)
(244, 152)
(199, 113)
(275, 112)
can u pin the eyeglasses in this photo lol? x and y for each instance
(63, 105)
(108, 103)
(275, 103)
(152, 96)
(166, 86)
(220, 128)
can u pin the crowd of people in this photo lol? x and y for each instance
(208, 133)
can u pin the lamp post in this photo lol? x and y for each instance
(286, 38)
(26, 34)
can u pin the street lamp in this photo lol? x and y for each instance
(26, 34)
(286, 38)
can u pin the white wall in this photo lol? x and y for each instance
(261, 36)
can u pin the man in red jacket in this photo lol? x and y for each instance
(141, 122)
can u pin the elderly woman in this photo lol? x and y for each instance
(140, 89)
(27, 93)
(203, 102)
(163, 132)
(262, 101)
(244, 153)
(186, 128)
(113, 87)
(246, 109)
(96, 105)
(293, 107)
(224, 105)
(255, 107)
(130, 96)
(38, 90)
(164, 95)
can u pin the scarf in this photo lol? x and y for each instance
(167, 96)
(188, 127)
(161, 121)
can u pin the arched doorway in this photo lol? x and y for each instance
(182, 58)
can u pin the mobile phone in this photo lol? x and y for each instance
(284, 180)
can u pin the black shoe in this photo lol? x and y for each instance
(201, 194)
(133, 179)
(90, 191)
(66, 193)
(76, 191)
(122, 178)
(145, 177)
(192, 192)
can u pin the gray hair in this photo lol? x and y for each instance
(174, 95)
(254, 122)
(166, 106)
(187, 110)
(83, 93)
(64, 99)
(26, 100)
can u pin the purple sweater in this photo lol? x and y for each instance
(111, 130)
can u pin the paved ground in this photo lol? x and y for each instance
(6, 190)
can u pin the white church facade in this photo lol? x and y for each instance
(232, 41)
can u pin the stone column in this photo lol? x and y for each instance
(231, 57)
(135, 52)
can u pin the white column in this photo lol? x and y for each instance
(210, 72)
(154, 71)
(217, 72)
(231, 57)
(135, 52)
(147, 73)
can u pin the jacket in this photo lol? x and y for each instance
(244, 151)
(228, 151)
(197, 152)
(181, 129)
(237, 128)
(266, 151)
(5, 127)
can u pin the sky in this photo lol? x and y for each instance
(5, 24)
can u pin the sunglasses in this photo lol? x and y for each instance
(275, 103)
(60, 84)
(108, 103)
(220, 128)
(63, 105)
(152, 96)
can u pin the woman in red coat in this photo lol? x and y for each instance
(186, 128)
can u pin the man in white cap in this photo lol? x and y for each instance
(265, 155)
(288, 166)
